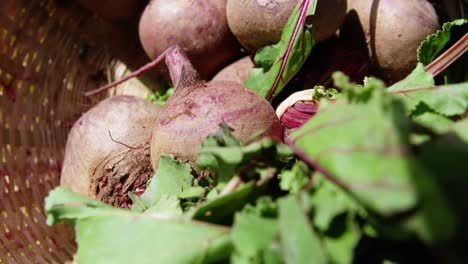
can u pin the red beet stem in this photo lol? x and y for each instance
(181, 70)
(448, 57)
(306, 107)
(134, 74)
(299, 26)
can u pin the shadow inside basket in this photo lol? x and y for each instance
(51, 52)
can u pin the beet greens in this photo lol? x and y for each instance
(285, 58)
(366, 173)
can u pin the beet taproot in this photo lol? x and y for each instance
(236, 72)
(200, 27)
(197, 108)
(392, 30)
(259, 23)
(107, 152)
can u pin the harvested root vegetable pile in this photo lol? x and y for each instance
(337, 132)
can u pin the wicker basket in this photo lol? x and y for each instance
(51, 51)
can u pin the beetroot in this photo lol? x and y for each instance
(196, 109)
(392, 32)
(199, 26)
(236, 72)
(259, 23)
(107, 152)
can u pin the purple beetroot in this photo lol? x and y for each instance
(197, 108)
(108, 152)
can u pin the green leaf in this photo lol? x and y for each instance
(282, 61)
(341, 241)
(129, 238)
(171, 179)
(255, 233)
(62, 204)
(299, 242)
(419, 77)
(138, 204)
(435, 43)
(418, 139)
(112, 235)
(361, 144)
(272, 256)
(252, 234)
(284, 150)
(224, 155)
(445, 157)
(224, 171)
(437, 123)
(429, 105)
(265, 57)
(364, 145)
(334, 214)
(294, 179)
(229, 155)
(193, 192)
(225, 136)
(264, 207)
(328, 202)
(440, 41)
(168, 205)
(461, 129)
(160, 97)
(220, 153)
(448, 100)
(222, 207)
(268, 256)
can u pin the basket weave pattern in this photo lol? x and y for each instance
(47, 60)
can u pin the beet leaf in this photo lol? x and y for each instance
(461, 129)
(336, 216)
(252, 235)
(361, 144)
(300, 243)
(113, 235)
(418, 87)
(283, 60)
(170, 181)
(432, 51)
